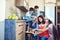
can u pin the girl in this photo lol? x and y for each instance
(50, 29)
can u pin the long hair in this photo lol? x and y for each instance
(43, 19)
(49, 21)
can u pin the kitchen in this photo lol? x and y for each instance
(15, 10)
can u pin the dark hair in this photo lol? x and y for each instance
(49, 21)
(36, 6)
(43, 19)
(31, 9)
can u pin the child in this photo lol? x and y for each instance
(51, 30)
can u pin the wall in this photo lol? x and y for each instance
(9, 7)
(50, 9)
(46, 1)
(50, 12)
(40, 3)
(2, 17)
(58, 3)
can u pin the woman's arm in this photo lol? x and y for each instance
(43, 30)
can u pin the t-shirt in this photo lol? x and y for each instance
(46, 33)
(28, 14)
(51, 28)
(35, 14)
(51, 32)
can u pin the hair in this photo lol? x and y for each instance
(49, 21)
(43, 19)
(31, 9)
(36, 7)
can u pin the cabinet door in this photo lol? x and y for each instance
(20, 30)
(7, 30)
(12, 29)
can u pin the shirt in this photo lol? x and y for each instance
(28, 14)
(46, 34)
(35, 14)
(51, 29)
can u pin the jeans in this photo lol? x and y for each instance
(43, 38)
(34, 37)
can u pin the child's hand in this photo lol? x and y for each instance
(33, 24)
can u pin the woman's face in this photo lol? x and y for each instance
(46, 20)
(40, 19)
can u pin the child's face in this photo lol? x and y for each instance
(31, 11)
(36, 9)
(40, 19)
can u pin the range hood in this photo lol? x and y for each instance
(22, 4)
(22, 8)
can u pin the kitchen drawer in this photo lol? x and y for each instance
(19, 29)
(19, 26)
(19, 35)
(20, 38)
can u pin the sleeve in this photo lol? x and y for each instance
(27, 14)
(51, 27)
(38, 13)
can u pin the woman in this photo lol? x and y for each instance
(50, 28)
(43, 28)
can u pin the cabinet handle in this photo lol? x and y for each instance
(20, 33)
(21, 25)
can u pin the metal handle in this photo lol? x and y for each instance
(20, 25)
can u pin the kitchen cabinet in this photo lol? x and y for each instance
(14, 30)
